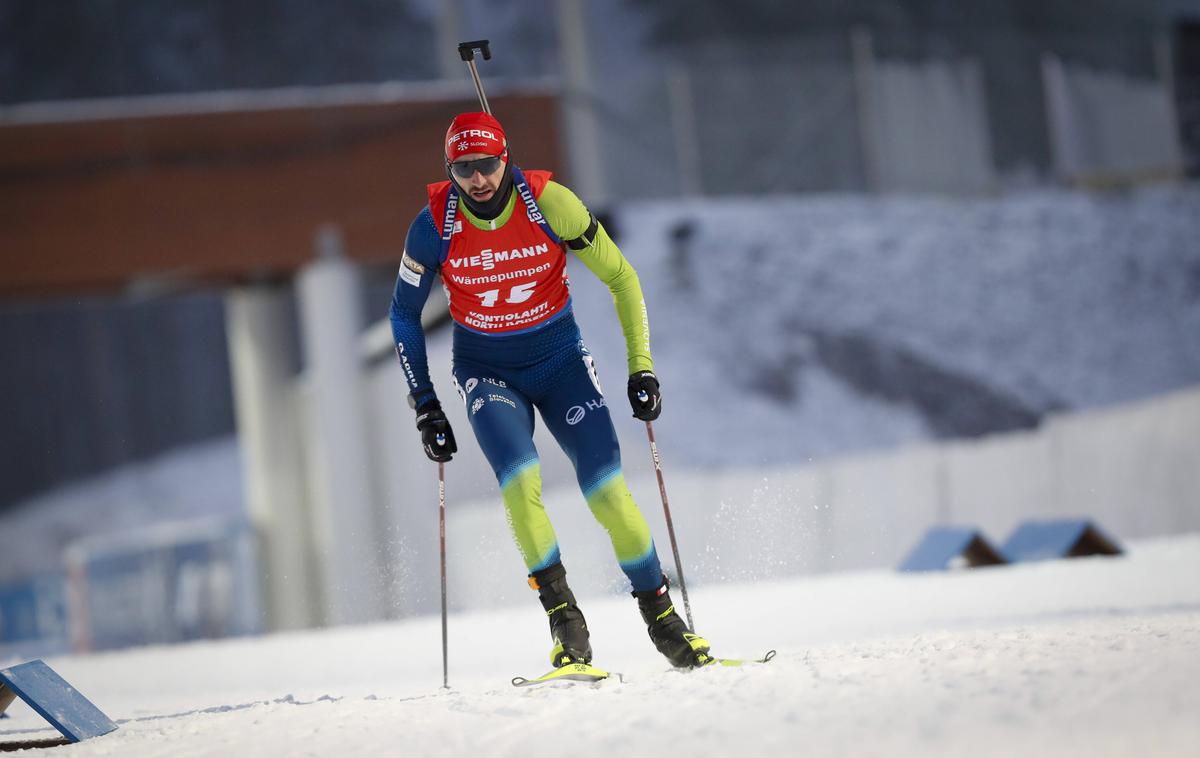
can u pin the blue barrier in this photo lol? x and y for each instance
(67, 710)
(33, 617)
(165, 584)
(1060, 538)
(943, 547)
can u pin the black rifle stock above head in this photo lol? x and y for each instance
(466, 50)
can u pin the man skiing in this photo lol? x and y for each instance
(499, 237)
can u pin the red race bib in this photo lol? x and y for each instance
(503, 280)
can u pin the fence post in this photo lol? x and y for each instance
(862, 57)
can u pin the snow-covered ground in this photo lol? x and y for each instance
(1087, 657)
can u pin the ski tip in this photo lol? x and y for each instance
(706, 660)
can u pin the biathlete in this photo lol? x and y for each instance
(498, 236)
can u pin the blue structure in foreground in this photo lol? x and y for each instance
(942, 545)
(54, 699)
(1062, 538)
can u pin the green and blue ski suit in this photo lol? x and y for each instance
(516, 347)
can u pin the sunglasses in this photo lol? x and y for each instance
(485, 166)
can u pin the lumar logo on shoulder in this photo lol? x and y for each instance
(451, 212)
(531, 206)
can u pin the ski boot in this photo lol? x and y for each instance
(567, 625)
(668, 632)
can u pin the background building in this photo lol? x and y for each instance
(861, 229)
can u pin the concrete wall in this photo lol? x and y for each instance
(929, 127)
(1134, 469)
(1107, 126)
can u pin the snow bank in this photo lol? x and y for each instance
(1083, 657)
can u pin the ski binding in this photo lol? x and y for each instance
(576, 672)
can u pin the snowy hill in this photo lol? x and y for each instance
(821, 325)
(1087, 657)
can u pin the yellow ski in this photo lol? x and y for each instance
(708, 660)
(576, 672)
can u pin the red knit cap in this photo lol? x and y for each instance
(474, 133)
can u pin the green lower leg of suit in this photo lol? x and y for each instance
(610, 503)
(527, 520)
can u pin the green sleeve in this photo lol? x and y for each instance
(569, 219)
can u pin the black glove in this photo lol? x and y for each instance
(436, 435)
(644, 396)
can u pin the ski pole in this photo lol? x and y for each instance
(442, 536)
(466, 51)
(662, 489)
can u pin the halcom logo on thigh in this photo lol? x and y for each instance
(575, 414)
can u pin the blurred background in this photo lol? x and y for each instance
(907, 262)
